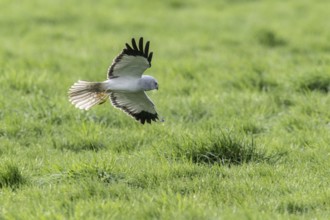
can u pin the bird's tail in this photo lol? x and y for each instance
(85, 95)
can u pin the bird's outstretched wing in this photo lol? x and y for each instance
(138, 105)
(132, 61)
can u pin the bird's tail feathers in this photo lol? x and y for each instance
(85, 95)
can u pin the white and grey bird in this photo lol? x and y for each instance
(125, 85)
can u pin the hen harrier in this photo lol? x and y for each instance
(125, 85)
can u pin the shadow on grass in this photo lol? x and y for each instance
(224, 149)
(10, 176)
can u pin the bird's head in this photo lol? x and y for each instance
(149, 83)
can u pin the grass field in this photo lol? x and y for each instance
(244, 91)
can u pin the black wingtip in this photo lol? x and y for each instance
(141, 44)
(134, 44)
(146, 50)
(128, 47)
(150, 57)
(144, 117)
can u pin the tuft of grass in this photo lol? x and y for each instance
(10, 176)
(269, 38)
(101, 174)
(296, 207)
(318, 83)
(260, 82)
(221, 148)
(250, 128)
(78, 145)
(176, 4)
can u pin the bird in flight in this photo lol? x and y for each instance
(125, 85)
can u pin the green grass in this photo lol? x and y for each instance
(244, 91)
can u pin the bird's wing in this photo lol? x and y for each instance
(138, 105)
(132, 61)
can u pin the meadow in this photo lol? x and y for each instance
(244, 93)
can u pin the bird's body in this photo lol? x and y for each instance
(125, 85)
(128, 84)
